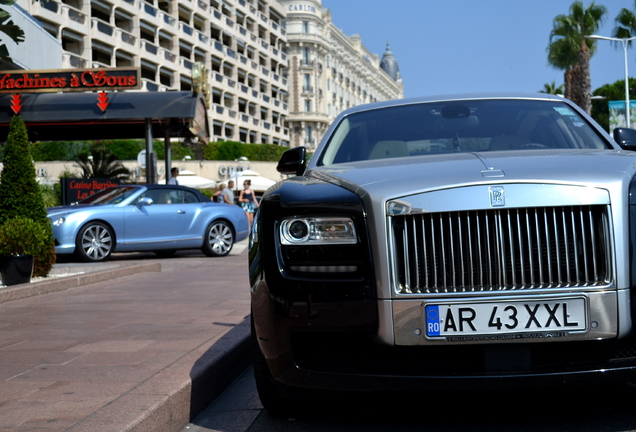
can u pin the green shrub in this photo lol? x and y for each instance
(22, 236)
(21, 196)
(50, 196)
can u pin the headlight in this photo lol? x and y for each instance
(310, 230)
(58, 221)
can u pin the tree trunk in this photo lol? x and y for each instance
(578, 87)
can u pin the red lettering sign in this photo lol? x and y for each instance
(40, 81)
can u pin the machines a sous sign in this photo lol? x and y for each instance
(69, 80)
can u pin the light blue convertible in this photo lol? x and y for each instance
(158, 218)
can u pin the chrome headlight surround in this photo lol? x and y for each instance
(299, 230)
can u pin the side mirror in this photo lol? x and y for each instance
(292, 162)
(626, 138)
(144, 201)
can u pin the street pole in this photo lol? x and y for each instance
(625, 42)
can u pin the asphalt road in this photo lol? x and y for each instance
(578, 410)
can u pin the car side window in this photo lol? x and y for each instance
(189, 197)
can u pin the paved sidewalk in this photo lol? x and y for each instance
(133, 347)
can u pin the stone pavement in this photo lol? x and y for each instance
(129, 345)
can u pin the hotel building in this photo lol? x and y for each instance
(241, 44)
(329, 72)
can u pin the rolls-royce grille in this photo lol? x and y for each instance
(500, 250)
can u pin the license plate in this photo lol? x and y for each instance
(500, 318)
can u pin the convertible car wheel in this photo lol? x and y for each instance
(95, 242)
(219, 239)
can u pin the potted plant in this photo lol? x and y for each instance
(20, 239)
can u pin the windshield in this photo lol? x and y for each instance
(112, 195)
(463, 126)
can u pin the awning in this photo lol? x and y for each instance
(77, 116)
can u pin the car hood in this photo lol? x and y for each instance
(52, 211)
(393, 178)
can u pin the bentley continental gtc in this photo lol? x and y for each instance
(155, 218)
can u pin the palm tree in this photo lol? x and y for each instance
(100, 163)
(551, 88)
(8, 28)
(570, 50)
(625, 25)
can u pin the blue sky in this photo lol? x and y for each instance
(456, 46)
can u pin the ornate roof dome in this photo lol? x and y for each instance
(389, 64)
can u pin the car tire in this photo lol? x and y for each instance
(218, 239)
(271, 399)
(95, 242)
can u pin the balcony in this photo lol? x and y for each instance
(102, 32)
(149, 85)
(186, 63)
(126, 38)
(202, 37)
(168, 20)
(149, 48)
(169, 56)
(149, 9)
(72, 61)
(73, 19)
(186, 28)
(47, 9)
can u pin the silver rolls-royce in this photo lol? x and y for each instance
(478, 240)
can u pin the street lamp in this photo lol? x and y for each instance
(624, 41)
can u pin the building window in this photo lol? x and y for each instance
(307, 105)
(306, 58)
(309, 135)
(305, 26)
(307, 83)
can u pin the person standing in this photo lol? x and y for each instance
(218, 195)
(175, 173)
(228, 194)
(247, 200)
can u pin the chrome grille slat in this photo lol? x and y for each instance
(501, 249)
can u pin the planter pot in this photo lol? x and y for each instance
(16, 269)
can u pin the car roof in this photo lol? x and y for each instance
(453, 97)
(160, 186)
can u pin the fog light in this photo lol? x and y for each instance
(324, 269)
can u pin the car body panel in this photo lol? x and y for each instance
(528, 226)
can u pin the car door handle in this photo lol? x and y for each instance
(181, 211)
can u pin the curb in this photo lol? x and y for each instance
(23, 291)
